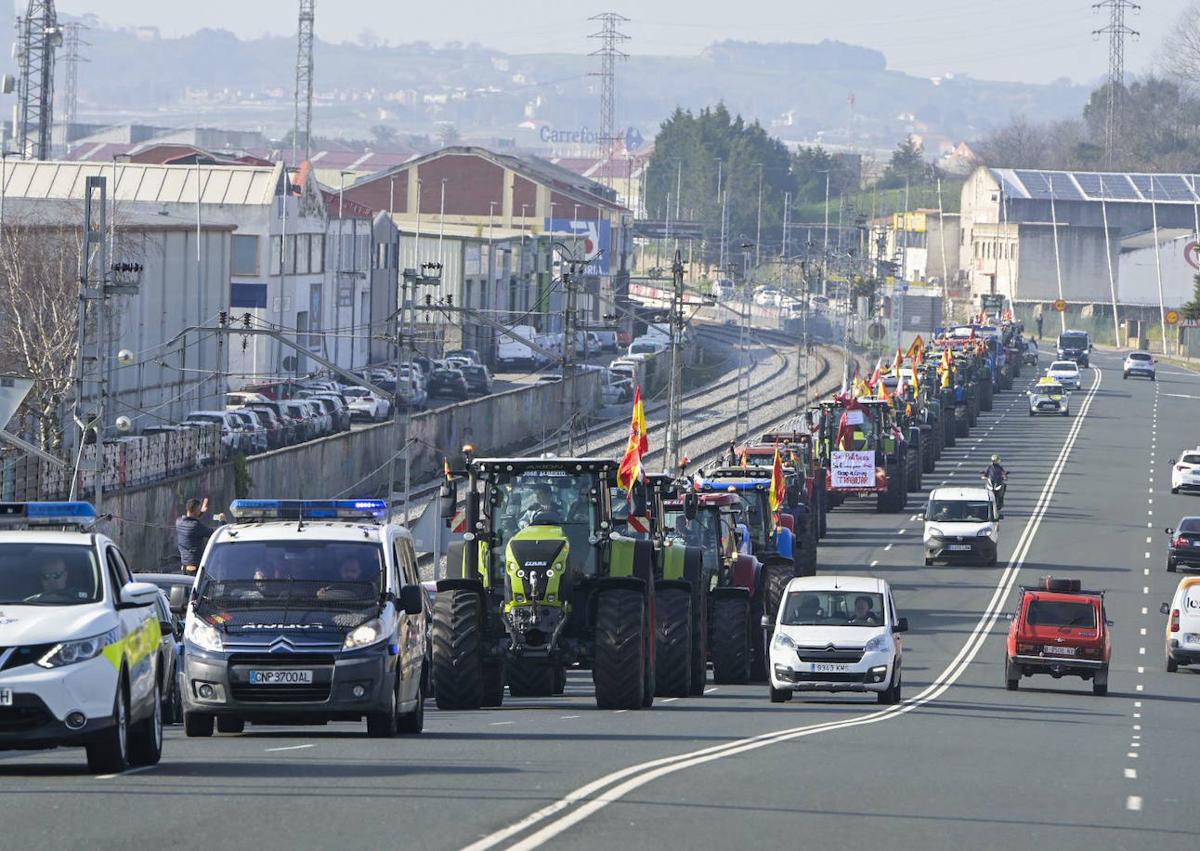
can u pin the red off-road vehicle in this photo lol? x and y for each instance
(1060, 630)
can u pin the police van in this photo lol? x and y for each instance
(79, 640)
(306, 611)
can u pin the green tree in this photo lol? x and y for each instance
(907, 166)
(1191, 310)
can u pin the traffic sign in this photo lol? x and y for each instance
(1172, 317)
(1060, 305)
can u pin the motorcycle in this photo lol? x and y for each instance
(998, 489)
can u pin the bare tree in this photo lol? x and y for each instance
(39, 298)
(1180, 52)
(1018, 143)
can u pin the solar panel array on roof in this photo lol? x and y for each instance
(1044, 185)
(1172, 187)
(1108, 187)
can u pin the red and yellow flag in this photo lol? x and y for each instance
(630, 471)
(916, 382)
(777, 483)
(897, 361)
(446, 469)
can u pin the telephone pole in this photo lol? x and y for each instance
(1116, 32)
(570, 282)
(302, 120)
(741, 426)
(673, 452)
(609, 37)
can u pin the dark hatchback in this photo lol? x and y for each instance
(448, 382)
(1184, 549)
(478, 379)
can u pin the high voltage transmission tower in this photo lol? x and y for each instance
(71, 59)
(38, 36)
(302, 123)
(1116, 32)
(609, 53)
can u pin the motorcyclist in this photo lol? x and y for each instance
(997, 478)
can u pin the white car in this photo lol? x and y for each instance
(80, 664)
(961, 524)
(1139, 363)
(1182, 640)
(836, 633)
(1049, 397)
(365, 405)
(1185, 472)
(1066, 372)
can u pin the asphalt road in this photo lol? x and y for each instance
(961, 763)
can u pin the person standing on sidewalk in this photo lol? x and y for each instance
(1039, 324)
(192, 534)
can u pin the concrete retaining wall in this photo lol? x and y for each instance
(349, 464)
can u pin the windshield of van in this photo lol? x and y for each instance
(48, 575)
(959, 510)
(342, 573)
(832, 608)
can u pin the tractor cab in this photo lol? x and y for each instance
(752, 487)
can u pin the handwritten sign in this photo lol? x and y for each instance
(853, 470)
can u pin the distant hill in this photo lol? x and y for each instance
(800, 91)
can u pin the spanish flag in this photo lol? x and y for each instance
(446, 469)
(777, 483)
(897, 362)
(916, 382)
(630, 471)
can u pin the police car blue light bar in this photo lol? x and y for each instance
(245, 510)
(47, 514)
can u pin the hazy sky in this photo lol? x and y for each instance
(1028, 40)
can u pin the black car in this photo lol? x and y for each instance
(177, 587)
(479, 380)
(1184, 549)
(448, 382)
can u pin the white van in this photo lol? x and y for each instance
(961, 524)
(509, 352)
(1182, 645)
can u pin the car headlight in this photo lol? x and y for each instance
(203, 635)
(878, 644)
(934, 532)
(70, 652)
(783, 641)
(984, 533)
(369, 633)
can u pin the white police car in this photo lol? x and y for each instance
(1048, 396)
(79, 641)
(306, 611)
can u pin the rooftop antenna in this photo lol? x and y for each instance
(302, 122)
(1116, 32)
(38, 36)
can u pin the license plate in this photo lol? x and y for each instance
(5, 697)
(281, 678)
(829, 668)
(1055, 650)
(958, 548)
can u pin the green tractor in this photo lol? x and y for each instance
(540, 583)
(681, 585)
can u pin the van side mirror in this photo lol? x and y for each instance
(1000, 515)
(1169, 530)
(902, 625)
(410, 600)
(766, 622)
(1164, 609)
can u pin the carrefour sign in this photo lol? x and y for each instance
(582, 136)
(590, 239)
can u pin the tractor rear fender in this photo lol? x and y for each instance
(745, 572)
(785, 540)
(722, 591)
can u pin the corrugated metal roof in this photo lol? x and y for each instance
(157, 184)
(1115, 187)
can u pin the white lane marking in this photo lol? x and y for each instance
(875, 562)
(622, 711)
(1148, 537)
(1145, 611)
(1141, 651)
(605, 790)
(1131, 774)
(711, 690)
(1145, 589)
(1141, 670)
(1137, 726)
(669, 700)
(501, 723)
(1131, 755)
(1137, 704)
(1135, 744)
(1145, 571)
(1137, 715)
(288, 748)
(1133, 803)
(902, 531)
(888, 547)
(1142, 630)
(126, 771)
(1138, 687)
(1147, 555)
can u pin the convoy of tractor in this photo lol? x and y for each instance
(648, 580)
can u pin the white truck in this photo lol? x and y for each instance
(510, 353)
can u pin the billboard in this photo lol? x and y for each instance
(593, 238)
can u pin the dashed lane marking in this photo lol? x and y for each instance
(289, 748)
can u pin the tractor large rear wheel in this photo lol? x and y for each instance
(985, 396)
(673, 642)
(619, 670)
(529, 677)
(730, 639)
(699, 642)
(775, 581)
(457, 659)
